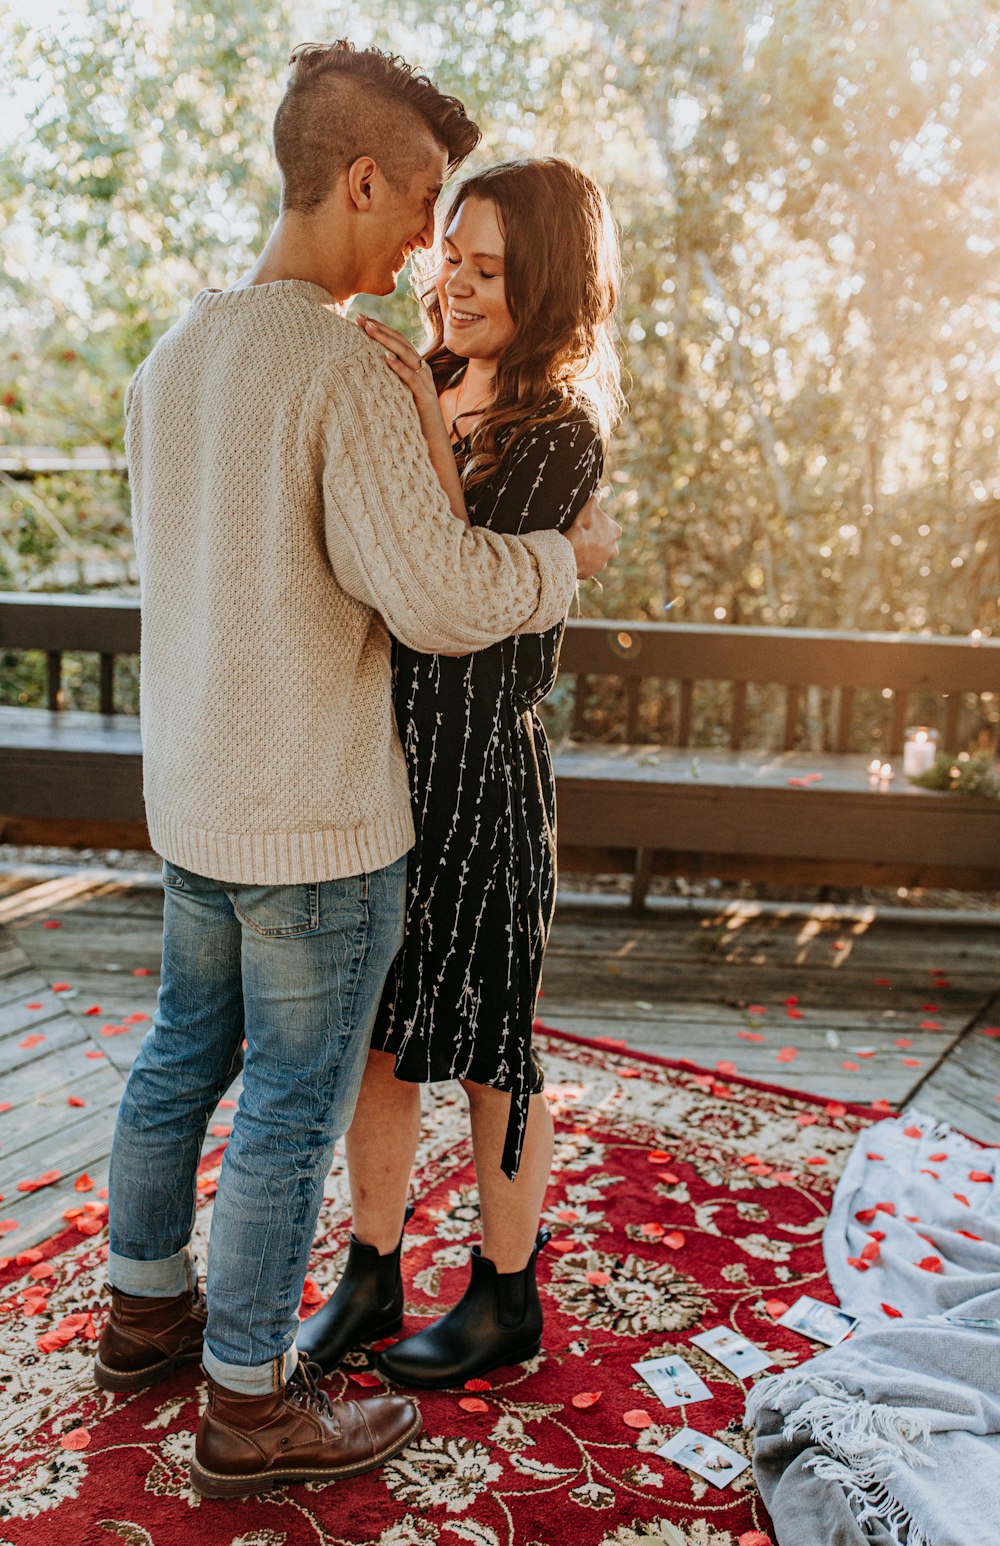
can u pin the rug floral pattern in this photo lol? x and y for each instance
(680, 1201)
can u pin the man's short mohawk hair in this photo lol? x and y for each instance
(343, 102)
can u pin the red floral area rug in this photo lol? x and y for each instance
(680, 1201)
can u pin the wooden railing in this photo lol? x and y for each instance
(962, 674)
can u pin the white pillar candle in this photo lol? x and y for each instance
(919, 751)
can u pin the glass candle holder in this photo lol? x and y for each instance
(919, 750)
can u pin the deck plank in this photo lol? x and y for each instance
(676, 982)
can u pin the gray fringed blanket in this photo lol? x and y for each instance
(893, 1437)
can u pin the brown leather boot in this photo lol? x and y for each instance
(144, 1340)
(250, 1443)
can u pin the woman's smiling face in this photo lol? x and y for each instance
(470, 283)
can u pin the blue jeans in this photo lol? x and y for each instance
(296, 971)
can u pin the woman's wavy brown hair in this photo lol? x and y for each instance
(562, 276)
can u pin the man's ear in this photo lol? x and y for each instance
(360, 174)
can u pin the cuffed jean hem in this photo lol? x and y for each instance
(153, 1279)
(255, 1380)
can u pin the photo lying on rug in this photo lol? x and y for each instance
(710, 1458)
(816, 1319)
(673, 1380)
(734, 1352)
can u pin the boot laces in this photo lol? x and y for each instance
(303, 1388)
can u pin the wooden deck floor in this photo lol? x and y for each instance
(855, 1005)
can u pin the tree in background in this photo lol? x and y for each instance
(808, 200)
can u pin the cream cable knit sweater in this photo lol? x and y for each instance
(287, 518)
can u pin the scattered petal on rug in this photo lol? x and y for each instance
(679, 1202)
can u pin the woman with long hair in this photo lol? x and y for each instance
(520, 387)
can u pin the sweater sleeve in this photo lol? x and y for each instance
(394, 544)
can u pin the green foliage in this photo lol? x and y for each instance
(971, 775)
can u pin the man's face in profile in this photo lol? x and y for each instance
(402, 221)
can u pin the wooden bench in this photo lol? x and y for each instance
(636, 793)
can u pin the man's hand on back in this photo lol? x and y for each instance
(594, 536)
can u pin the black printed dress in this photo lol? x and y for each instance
(460, 999)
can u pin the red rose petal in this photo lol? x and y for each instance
(753, 1538)
(794, 1014)
(865, 1215)
(806, 1118)
(34, 1005)
(872, 1156)
(751, 1035)
(637, 1418)
(816, 1159)
(961, 1197)
(43, 1269)
(586, 1398)
(968, 1234)
(477, 1385)
(652, 1230)
(775, 1308)
(95, 1009)
(871, 1251)
(61, 987)
(786, 1177)
(980, 1175)
(75, 1100)
(852, 1067)
(912, 1062)
(76, 1438)
(141, 971)
(669, 1177)
(227, 1105)
(756, 1009)
(136, 1019)
(890, 1310)
(984, 1030)
(33, 1040)
(912, 1132)
(930, 1025)
(786, 1054)
(311, 1293)
(220, 1130)
(886, 1207)
(658, 1157)
(7, 1225)
(857, 1263)
(931, 1264)
(94, 1054)
(877, 1234)
(724, 1066)
(364, 1377)
(881, 1105)
(882, 982)
(675, 1240)
(473, 1404)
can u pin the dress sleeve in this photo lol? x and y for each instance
(550, 475)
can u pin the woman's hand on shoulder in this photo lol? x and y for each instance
(404, 362)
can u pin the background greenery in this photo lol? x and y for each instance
(808, 198)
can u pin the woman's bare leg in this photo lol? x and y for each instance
(510, 1209)
(381, 1143)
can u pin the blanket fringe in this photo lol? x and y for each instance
(863, 1443)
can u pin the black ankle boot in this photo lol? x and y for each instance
(366, 1305)
(498, 1320)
